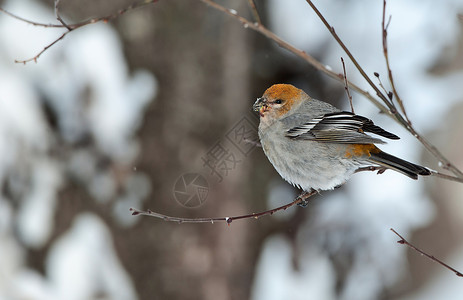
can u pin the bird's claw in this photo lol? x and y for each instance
(303, 203)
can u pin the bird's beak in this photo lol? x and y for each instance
(260, 105)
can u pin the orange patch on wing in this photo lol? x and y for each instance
(360, 150)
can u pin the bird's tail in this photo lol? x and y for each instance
(407, 168)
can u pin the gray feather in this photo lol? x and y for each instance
(335, 127)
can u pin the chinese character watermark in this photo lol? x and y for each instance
(240, 135)
(191, 189)
(220, 160)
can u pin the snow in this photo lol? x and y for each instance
(35, 217)
(445, 285)
(83, 263)
(357, 220)
(85, 82)
(279, 280)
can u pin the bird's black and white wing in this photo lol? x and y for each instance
(340, 127)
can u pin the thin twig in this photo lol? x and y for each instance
(386, 58)
(405, 242)
(254, 11)
(389, 94)
(446, 176)
(446, 164)
(434, 173)
(58, 17)
(264, 31)
(301, 199)
(74, 26)
(354, 61)
(29, 21)
(43, 50)
(346, 86)
(392, 110)
(302, 54)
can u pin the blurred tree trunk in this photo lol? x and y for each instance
(202, 62)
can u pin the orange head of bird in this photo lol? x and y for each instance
(278, 100)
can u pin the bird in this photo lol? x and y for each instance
(316, 146)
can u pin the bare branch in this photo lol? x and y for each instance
(254, 11)
(381, 170)
(58, 17)
(389, 94)
(354, 61)
(300, 200)
(71, 27)
(302, 54)
(389, 109)
(43, 50)
(405, 242)
(386, 58)
(445, 176)
(392, 110)
(30, 22)
(446, 164)
(346, 86)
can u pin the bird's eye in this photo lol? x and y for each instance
(278, 101)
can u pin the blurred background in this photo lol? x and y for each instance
(150, 111)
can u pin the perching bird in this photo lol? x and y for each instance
(314, 145)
